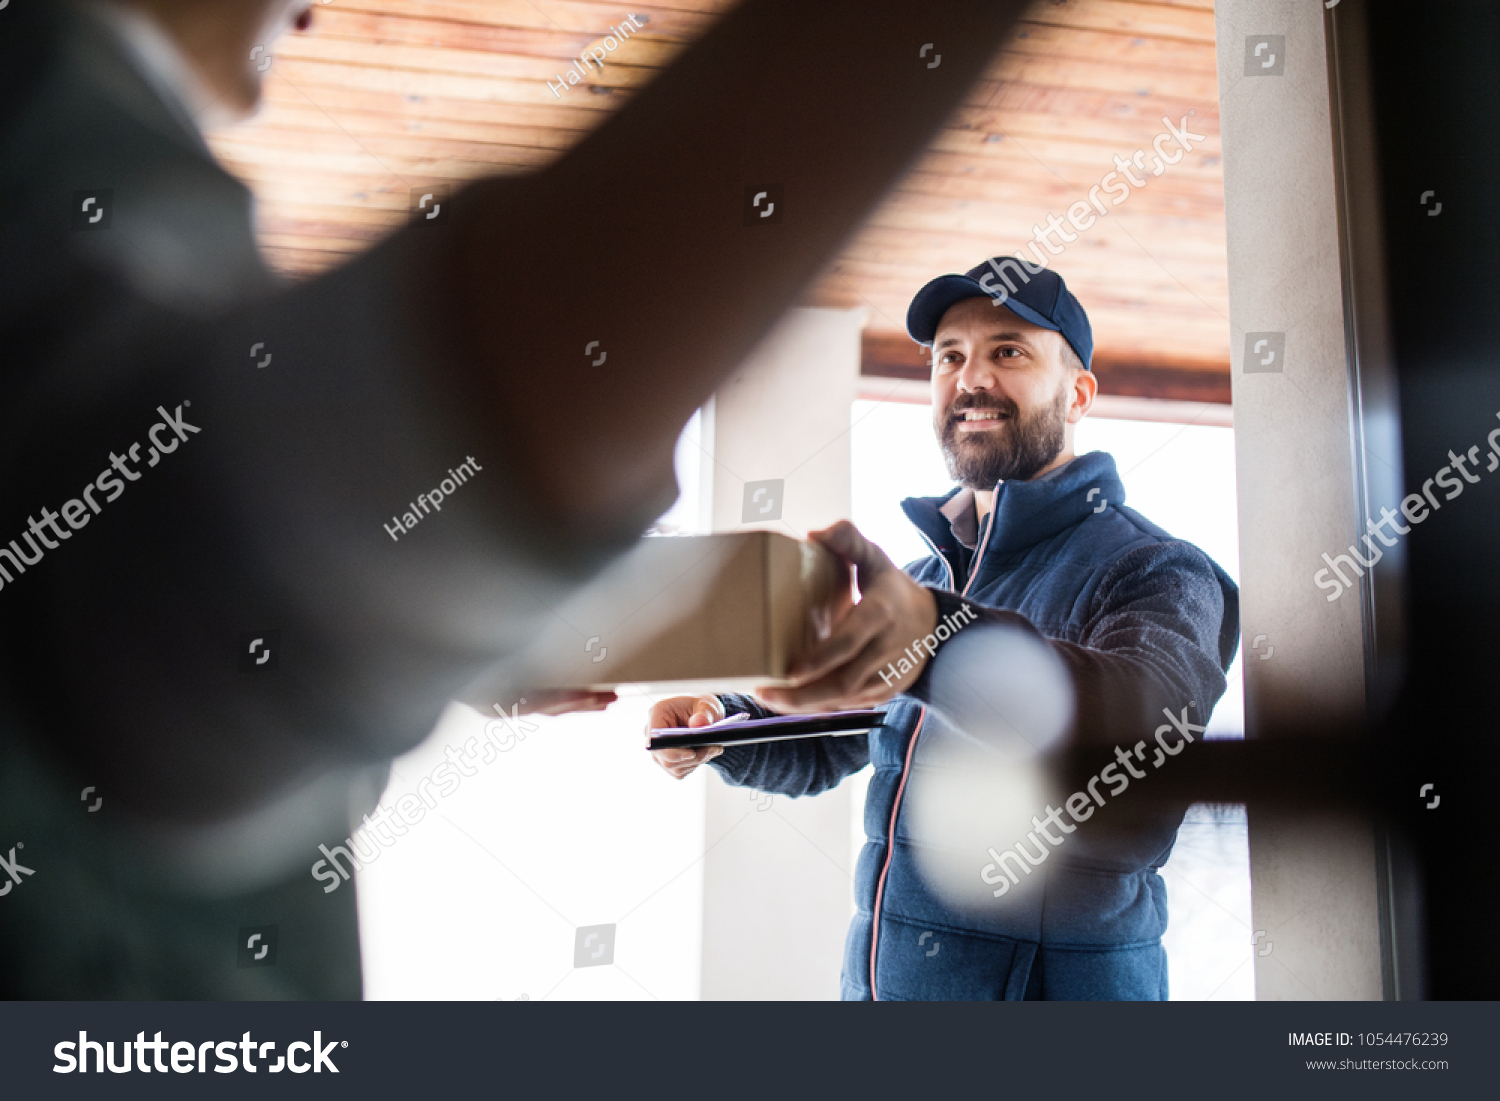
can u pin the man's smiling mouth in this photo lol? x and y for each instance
(977, 420)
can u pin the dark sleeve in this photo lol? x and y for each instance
(276, 446)
(804, 766)
(211, 459)
(252, 504)
(1154, 639)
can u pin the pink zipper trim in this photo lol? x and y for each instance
(890, 850)
(890, 837)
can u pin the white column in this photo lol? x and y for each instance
(1314, 890)
(778, 874)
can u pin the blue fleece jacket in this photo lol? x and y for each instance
(1143, 622)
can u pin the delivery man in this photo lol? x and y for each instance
(1035, 539)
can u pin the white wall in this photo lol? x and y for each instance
(1314, 879)
(778, 874)
(574, 826)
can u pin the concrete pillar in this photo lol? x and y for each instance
(1314, 886)
(778, 874)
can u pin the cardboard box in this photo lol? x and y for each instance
(692, 613)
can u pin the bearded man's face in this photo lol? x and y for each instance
(987, 438)
(1002, 393)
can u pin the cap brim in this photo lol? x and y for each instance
(943, 293)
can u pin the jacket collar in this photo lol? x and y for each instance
(1027, 513)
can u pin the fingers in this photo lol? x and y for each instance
(853, 635)
(682, 711)
(845, 670)
(845, 567)
(852, 684)
(842, 538)
(706, 710)
(854, 631)
(680, 763)
(845, 540)
(565, 701)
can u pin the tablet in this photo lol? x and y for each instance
(737, 730)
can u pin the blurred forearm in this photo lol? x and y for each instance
(637, 238)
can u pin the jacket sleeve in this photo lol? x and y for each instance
(1160, 633)
(284, 457)
(803, 766)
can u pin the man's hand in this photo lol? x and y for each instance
(843, 671)
(680, 711)
(565, 701)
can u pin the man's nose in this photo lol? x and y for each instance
(976, 375)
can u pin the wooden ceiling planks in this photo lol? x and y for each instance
(387, 95)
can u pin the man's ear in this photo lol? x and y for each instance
(1085, 389)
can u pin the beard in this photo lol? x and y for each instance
(1018, 448)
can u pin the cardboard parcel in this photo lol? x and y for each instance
(691, 613)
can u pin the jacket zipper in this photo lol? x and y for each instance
(911, 748)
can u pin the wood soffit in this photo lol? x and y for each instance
(387, 95)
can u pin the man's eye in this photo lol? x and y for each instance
(1009, 352)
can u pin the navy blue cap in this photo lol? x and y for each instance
(1033, 293)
